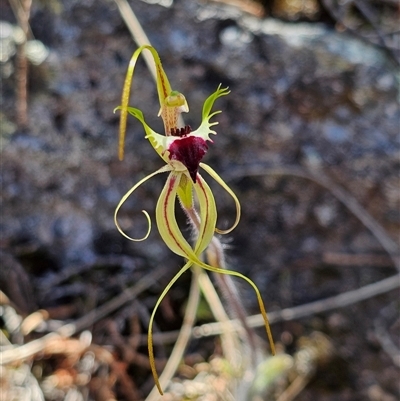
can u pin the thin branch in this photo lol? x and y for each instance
(361, 260)
(310, 309)
(295, 313)
(19, 15)
(338, 17)
(27, 350)
(99, 313)
(387, 344)
(22, 10)
(247, 6)
(75, 270)
(370, 16)
(388, 313)
(390, 246)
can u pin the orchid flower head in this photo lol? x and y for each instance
(182, 149)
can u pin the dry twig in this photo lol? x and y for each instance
(337, 11)
(22, 10)
(297, 312)
(27, 350)
(247, 6)
(390, 246)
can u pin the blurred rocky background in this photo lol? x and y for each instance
(310, 129)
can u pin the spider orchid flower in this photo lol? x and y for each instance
(182, 151)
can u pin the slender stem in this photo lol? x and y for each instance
(216, 257)
(230, 341)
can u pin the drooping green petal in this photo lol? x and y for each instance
(221, 182)
(208, 214)
(163, 89)
(166, 220)
(196, 261)
(150, 335)
(127, 195)
(205, 130)
(257, 291)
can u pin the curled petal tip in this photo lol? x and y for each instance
(127, 195)
(221, 182)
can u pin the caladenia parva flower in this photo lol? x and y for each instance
(182, 151)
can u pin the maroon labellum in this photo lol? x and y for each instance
(189, 150)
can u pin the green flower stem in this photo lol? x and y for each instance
(216, 257)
